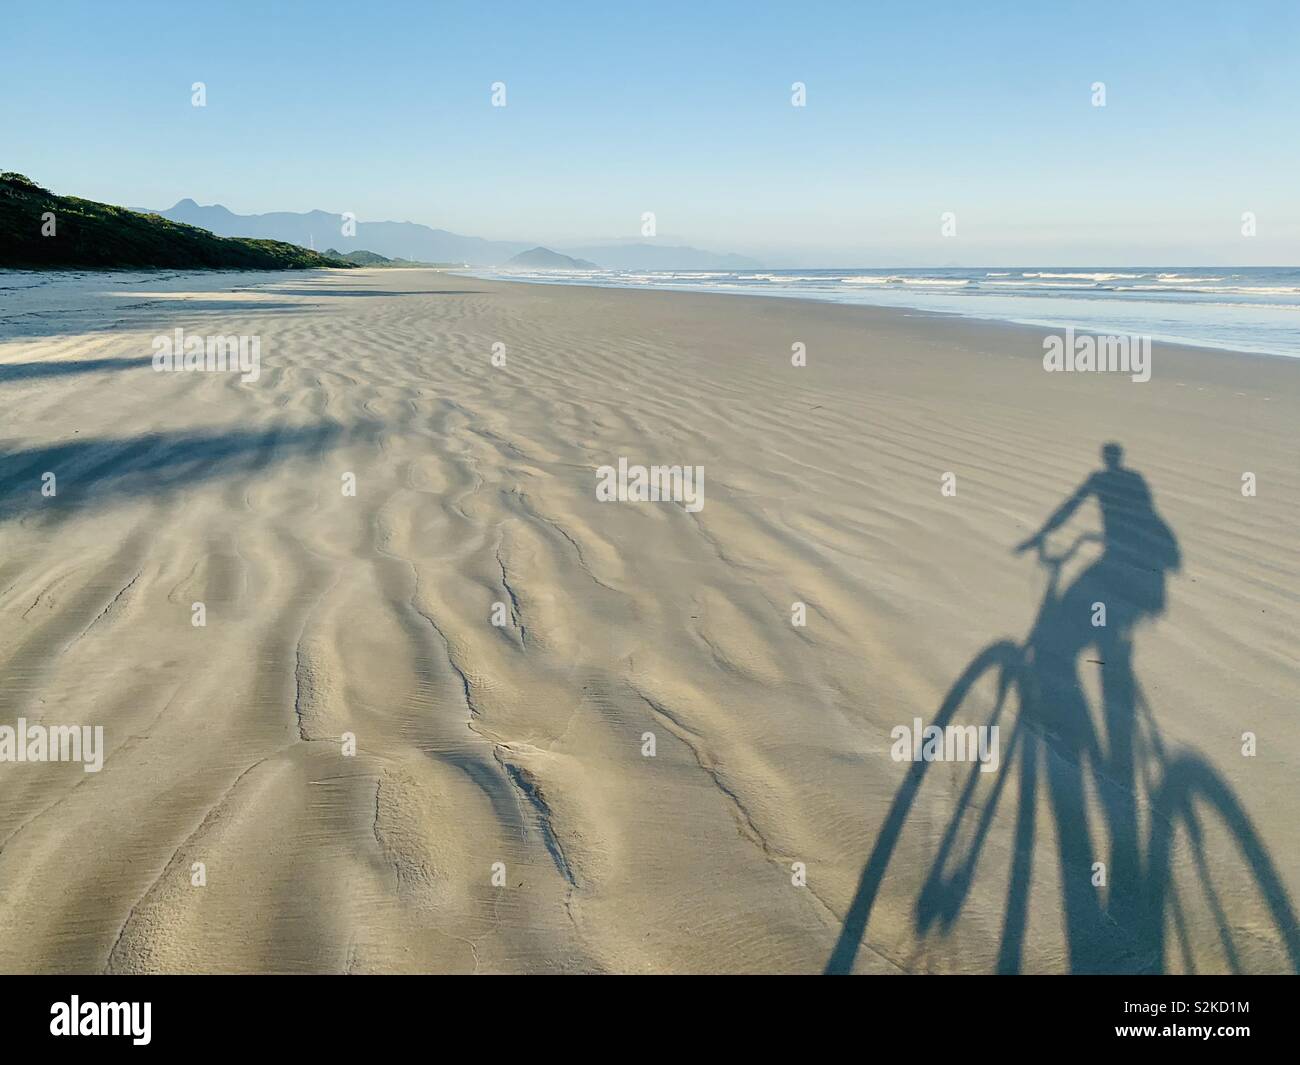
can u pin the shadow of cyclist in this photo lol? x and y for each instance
(1061, 746)
(1098, 612)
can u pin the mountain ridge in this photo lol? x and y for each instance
(415, 241)
(43, 230)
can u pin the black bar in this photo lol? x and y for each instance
(1059, 1015)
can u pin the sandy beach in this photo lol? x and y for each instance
(645, 765)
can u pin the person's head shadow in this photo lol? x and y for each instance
(1088, 774)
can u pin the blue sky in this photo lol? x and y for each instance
(612, 110)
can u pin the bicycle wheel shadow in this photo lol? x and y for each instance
(1058, 750)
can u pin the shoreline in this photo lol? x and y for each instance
(1037, 331)
(690, 290)
(1037, 328)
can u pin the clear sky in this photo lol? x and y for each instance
(684, 109)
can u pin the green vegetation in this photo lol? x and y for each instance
(359, 258)
(83, 233)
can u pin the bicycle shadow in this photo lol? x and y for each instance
(1062, 753)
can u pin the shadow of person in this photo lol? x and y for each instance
(1098, 612)
(1115, 922)
(1139, 548)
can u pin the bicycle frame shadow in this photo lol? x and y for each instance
(1057, 749)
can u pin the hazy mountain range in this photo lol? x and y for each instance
(410, 240)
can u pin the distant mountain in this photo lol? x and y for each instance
(41, 230)
(545, 259)
(661, 257)
(360, 258)
(370, 258)
(419, 243)
(405, 240)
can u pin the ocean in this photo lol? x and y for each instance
(1254, 309)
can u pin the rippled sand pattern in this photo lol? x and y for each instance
(522, 744)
